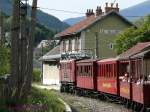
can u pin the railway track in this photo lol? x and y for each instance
(85, 104)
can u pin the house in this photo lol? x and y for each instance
(94, 36)
(50, 66)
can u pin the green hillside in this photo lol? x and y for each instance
(42, 17)
(42, 32)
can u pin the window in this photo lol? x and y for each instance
(110, 45)
(70, 45)
(63, 46)
(73, 45)
(67, 45)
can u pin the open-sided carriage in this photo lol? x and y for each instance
(135, 90)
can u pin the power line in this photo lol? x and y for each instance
(76, 12)
(59, 10)
(114, 2)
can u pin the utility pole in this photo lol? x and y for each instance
(31, 44)
(23, 47)
(2, 38)
(15, 33)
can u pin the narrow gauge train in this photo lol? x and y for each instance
(123, 80)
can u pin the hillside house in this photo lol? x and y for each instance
(94, 36)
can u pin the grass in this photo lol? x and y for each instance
(40, 101)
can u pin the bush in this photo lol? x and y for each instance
(39, 100)
(4, 61)
(48, 99)
(36, 75)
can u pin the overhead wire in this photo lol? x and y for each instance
(81, 13)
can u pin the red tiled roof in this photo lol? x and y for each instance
(134, 50)
(76, 27)
(87, 22)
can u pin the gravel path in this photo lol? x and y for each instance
(83, 104)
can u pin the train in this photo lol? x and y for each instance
(124, 80)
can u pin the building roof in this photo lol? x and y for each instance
(52, 55)
(87, 22)
(73, 29)
(134, 50)
(86, 61)
(108, 60)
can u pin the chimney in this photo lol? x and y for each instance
(89, 12)
(112, 5)
(108, 9)
(106, 4)
(117, 7)
(99, 11)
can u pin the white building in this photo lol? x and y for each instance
(50, 67)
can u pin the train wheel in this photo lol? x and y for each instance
(62, 88)
(143, 109)
(139, 107)
(132, 105)
(128, 104)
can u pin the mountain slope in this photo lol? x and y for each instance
(72, 21)
(141, 9)
(42, 17)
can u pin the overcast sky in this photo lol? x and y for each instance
(79, 6)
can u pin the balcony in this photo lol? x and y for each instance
(79, 54)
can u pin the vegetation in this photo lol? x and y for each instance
(42, 32)
(43, 18)
(36, 75)
(39, 101)
(132, 36)
(4, 61)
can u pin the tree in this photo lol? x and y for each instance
(132, 36)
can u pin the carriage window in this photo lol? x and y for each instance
(80, 70)
(70, 66)
(115, 71)
(61, 66)
(102, 70)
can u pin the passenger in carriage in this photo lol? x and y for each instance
(125, 77)
(147, 79)
(140, 80)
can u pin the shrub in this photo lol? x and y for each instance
(4, 61)
(36, 75)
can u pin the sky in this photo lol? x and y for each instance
(78, 6)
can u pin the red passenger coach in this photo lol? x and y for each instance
(67, 74)
(107, 79)
(86, 74)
